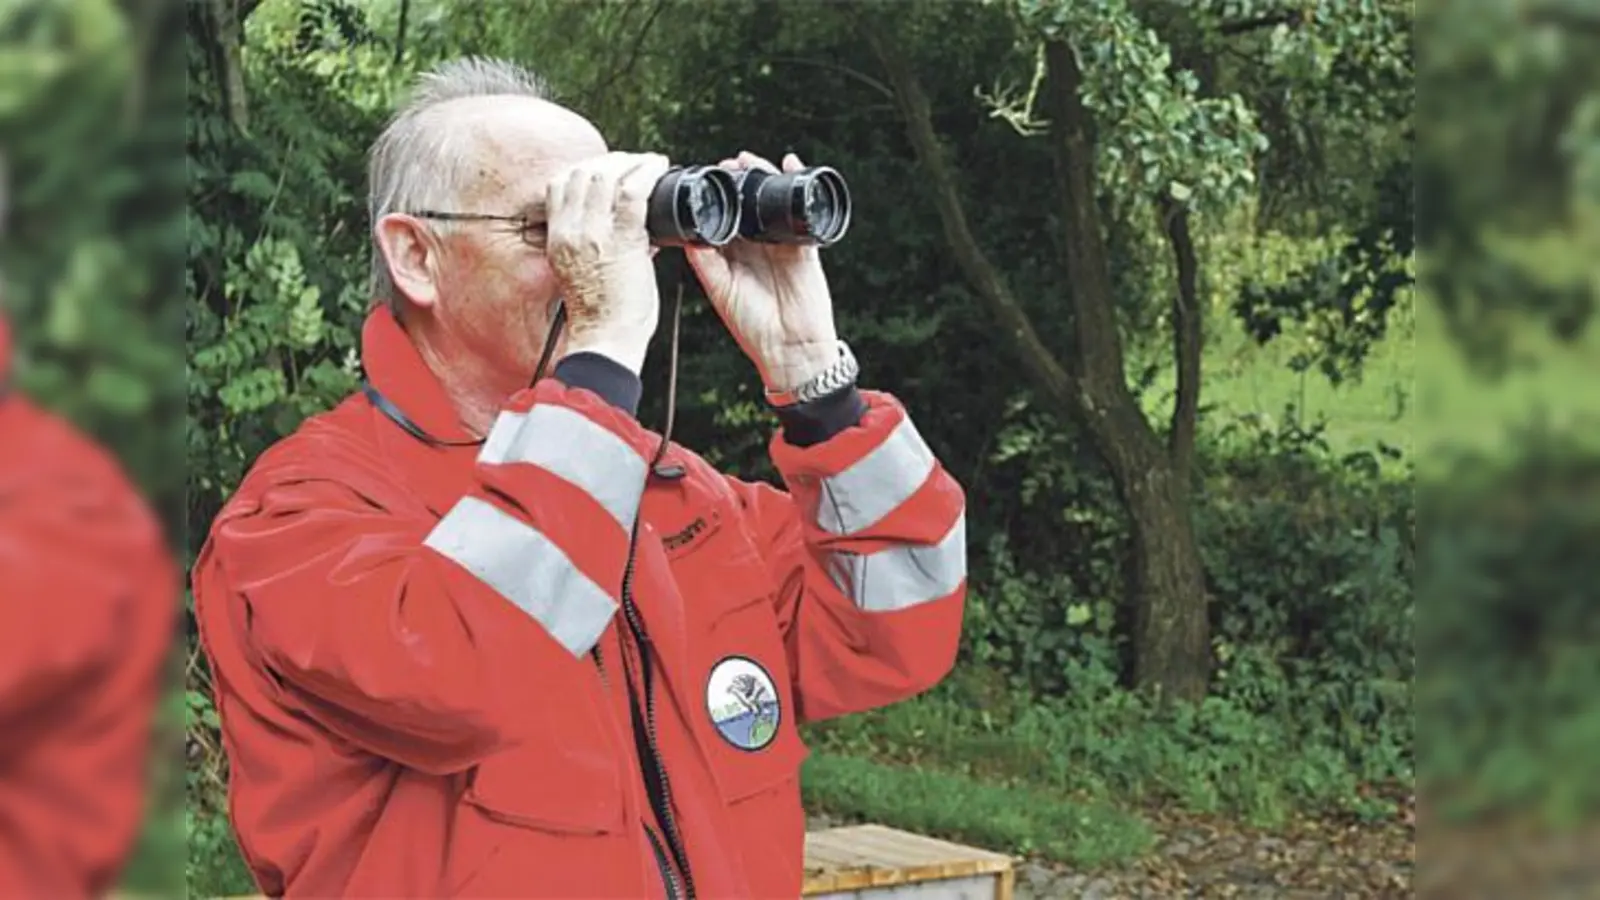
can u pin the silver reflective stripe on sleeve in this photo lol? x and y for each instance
(565, 443)
(902, 577)
(523, 566)
(860, 496)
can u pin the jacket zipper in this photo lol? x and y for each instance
(661, 797)
(669, 881)
(659, 790)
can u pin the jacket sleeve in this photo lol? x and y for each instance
(869, 547)
(83, 568)
(427, 643)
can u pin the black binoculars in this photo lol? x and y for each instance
(710, 206)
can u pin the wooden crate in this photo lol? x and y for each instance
(875, 862)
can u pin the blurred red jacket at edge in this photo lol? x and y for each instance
(88, 611)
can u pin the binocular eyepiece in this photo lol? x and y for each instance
(710, 206)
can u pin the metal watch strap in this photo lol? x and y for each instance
(842, 374)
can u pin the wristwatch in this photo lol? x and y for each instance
(842, 374)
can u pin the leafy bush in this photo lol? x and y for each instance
(1509, 698)
(1311, 556)
(1310, 560)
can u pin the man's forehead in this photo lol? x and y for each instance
(517, 143)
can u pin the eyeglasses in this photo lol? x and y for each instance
(528, 230)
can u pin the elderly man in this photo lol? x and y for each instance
(473, 637)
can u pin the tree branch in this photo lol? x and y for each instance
(400, 32)
(1188, 312)
(846, 71)
(1186, 337)
(1057, 384)
(620, 72)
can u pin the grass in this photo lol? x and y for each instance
(959, 807)
(1417, 391)
(1244, 379)
(215, 867)
(1071, 779)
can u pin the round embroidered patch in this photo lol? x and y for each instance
(743, 702)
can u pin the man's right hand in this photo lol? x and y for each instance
(600, 251)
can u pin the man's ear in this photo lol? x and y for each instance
(412, 253)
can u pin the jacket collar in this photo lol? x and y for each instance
(397, 371)
(438, 474)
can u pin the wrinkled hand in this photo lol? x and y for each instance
(601, 253)
(774, 298)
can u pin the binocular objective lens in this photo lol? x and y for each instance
(697, 205)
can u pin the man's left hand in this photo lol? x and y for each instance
(773, 297)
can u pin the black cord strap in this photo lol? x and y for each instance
(387, 407)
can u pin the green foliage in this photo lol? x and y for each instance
(214, 867)
(1161, 135)
(1509, 698)
(276, 253)
(1346, 301)
(1309, 553)
(1311, 557)
(1506, 171)
(89, 109)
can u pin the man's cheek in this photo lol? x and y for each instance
(464, 265)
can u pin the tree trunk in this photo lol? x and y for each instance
(221, 32)
(1171, 631)
(1167, 588)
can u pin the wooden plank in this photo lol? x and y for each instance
(972, 887)
(1007, 886)
(856, 857)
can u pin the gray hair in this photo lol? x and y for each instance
(416, 164)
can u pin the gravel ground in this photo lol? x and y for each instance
(1249, 867)
(1495, 860)
(1195, 858)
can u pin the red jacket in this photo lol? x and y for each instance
(422, 668)
(88, 612)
